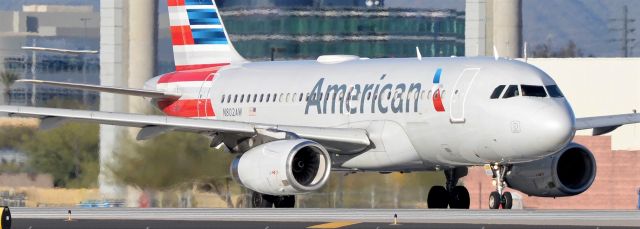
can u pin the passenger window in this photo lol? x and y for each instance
(235, 98)
(222, 99)
(533, 91)
(512, 91)
(261, 97)
(554, 91)
(255, 97)
(268, 97)
(241, 98)
(228, 98)
(275, 96)
(301, 95)
(496, 92)
(429, 94)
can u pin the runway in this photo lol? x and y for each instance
(308, 218)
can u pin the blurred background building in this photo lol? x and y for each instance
(135, 44)
(66, 27)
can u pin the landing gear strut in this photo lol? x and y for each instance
(500, 197)
(259, 200)
(452, 196)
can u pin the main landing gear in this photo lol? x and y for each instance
(500, 197)
(259, 200)
(452, 195)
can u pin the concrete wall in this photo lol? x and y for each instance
(600, 86)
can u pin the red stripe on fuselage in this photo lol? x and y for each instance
(204, 74)
(437, 101)
(175, 2)
(187, 107)
(181, 35)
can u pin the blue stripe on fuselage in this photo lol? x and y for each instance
(436, 78)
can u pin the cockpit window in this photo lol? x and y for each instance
(512, 91)
(533, 91)
(554, 91)
(496, 92)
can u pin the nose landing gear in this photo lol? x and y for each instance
(500, 197)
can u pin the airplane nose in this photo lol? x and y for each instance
(555, 127)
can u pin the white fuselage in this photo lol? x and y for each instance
(393, 99)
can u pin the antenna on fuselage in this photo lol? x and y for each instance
(418, 53)
(495, 53)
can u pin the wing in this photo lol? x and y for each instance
(100, 88)
(605, 124)
(338, 140)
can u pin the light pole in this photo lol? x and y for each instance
(35, 49)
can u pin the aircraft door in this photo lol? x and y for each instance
(204, 102)
(459, 94)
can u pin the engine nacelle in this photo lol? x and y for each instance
(569, 172)
(283, 167)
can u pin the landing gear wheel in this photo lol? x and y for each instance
(285, 201)
(459, 198)
(259, 200)
(438, 197)
(6, 218)
(494, 200)
(507, 200)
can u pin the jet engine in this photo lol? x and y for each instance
(283, 167)
(569, 172)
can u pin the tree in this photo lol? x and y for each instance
(69, 153)
(174, 161)
(546, 51)
(8, 79)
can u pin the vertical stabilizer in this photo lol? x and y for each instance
(198, 35)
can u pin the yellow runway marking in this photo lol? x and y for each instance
(334, 225)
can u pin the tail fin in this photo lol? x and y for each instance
(198, 35)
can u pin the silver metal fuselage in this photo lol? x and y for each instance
(393, 99)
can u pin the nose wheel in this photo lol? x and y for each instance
(500, 198)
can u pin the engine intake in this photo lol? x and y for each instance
(569, 172)
(283, 167)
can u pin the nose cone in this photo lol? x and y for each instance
(554, 128)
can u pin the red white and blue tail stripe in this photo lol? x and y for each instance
(198, 35)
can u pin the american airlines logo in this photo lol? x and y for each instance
(363, 98)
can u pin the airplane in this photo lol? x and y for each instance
(291, 123)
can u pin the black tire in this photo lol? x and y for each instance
(259, 200)
(507, 200)
(5, 223)
(438, 197)
(459, 198)
(285, 202)
(494, 200)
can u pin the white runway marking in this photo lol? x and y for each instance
(519, 217)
